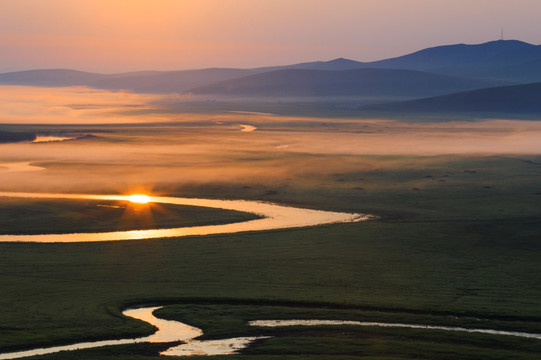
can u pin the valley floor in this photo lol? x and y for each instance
(456, 241)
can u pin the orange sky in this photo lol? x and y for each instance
(127, 35)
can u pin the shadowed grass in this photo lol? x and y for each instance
(24, 216)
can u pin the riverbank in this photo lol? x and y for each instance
(221, 342)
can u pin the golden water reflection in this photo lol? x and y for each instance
(137, 198)
(273, 217)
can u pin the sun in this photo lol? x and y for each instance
(138, 198)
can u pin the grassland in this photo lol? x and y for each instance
(24, 216)
(457, 239)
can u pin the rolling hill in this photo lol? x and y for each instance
(331, 65)
(142, 81)
(497, 62)
(50, 77)
(517, 99)
(167, 81)
(154, 81)
(359, 82)
(464, 59)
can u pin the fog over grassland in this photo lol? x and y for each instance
(163, 147)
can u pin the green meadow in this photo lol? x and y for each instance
(454, 242)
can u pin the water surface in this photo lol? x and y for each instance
(273, 217)
(284, 323)
(168, 331)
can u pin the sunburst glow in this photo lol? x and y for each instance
(138, 198)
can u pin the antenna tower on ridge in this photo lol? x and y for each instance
(501, 37)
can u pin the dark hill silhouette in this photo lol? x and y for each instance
(153, 81)
(10, 136)
(508, 60)
(517, 99)
(360, 82)
(461, 58)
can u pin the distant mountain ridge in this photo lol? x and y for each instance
(498, 61)
(168, 81)
(332, 65)
(358, 82)
(49, 77)
(461, 58)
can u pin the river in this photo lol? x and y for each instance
(170, 331)
(274, 216)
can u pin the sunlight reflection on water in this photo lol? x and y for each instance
(274, 217)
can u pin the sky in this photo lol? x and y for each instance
(128, 35)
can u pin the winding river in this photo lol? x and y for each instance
(273, 217)
(170, 331)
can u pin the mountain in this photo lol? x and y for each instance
(332, 65)
(141, 81)
(49, 77)
(459, 59)
(463, 59)
(517, 99)
(509, 60)
(360, 82)
(168, 81)
(154, 81)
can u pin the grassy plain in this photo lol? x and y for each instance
(26, 216)
(456, 239)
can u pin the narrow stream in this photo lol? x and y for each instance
(169, 331)
(283, 323)
(274, 217)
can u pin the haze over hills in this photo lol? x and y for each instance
(168, 81)
(524, 72)
(141, 81)
(516, 99)
(50, 77)
(497, 62)
(154, 81)
(361, 82)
